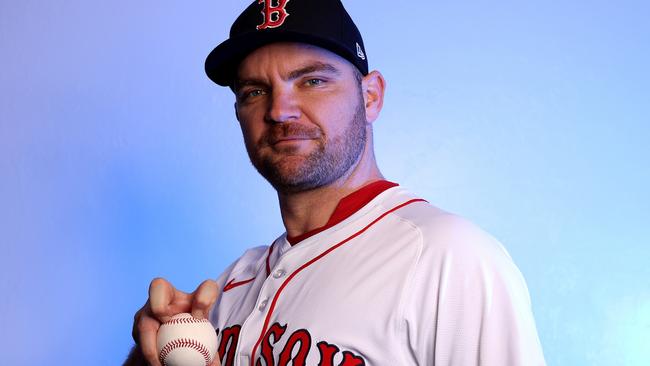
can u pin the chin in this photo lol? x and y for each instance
(291, 176)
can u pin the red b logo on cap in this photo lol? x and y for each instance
(274, 16)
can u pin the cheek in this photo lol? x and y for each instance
(249, 124)
(332, 115)
(251, 136)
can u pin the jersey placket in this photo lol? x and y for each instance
(289, 261)
(279, 267)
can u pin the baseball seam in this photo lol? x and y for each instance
(187, 320)
(184, 343)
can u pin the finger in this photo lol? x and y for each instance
(204, 298)
(216, 361)
(148, 329)
(161, 294)
(165, 300)
(135, 332)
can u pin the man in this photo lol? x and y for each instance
(366, 273)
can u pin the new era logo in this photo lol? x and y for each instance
(360, 52)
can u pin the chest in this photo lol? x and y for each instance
(330, 303)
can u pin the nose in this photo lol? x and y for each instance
(283, 106)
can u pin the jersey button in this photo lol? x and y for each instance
(279, 273)
(262, 305)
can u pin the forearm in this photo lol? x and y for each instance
(136, 358)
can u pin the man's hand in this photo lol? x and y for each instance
(164, 302)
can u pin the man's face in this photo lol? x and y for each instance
(302, 115)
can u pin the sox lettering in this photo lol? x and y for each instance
(274, 16)
(300, 339)
(229, 336)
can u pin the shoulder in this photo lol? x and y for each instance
(460, 261)
(452, 249)
(247, 264)
(252, 256)
(449, 235)
(467, 289)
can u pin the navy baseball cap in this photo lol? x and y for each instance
(322, 23)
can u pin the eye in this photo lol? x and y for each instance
(251, 93)
(314, 82)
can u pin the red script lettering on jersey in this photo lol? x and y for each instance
(295, 350)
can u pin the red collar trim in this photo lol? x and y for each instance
(347, 206)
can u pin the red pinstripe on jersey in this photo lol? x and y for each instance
(314, 260)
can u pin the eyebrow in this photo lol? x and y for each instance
(295, 74)
(314, 67)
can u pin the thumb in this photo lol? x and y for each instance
(204, 298)
(216, 361)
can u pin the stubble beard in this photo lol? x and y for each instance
(329, 161)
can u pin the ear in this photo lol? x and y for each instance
(373, 87)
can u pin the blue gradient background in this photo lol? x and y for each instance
(120, 161)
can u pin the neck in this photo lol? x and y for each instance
(308, 210)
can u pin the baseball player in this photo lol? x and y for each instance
(367, 273)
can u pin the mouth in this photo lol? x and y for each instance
(289, 140)
(290, 134)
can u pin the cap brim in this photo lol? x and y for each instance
(222, 63)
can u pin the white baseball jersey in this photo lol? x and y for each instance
(396, 282)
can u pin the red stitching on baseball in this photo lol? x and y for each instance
(181, 343)
(187, 320)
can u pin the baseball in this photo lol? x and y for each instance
(186, 341)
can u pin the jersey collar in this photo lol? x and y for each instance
(347, 206)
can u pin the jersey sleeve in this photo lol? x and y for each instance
(468, 304)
